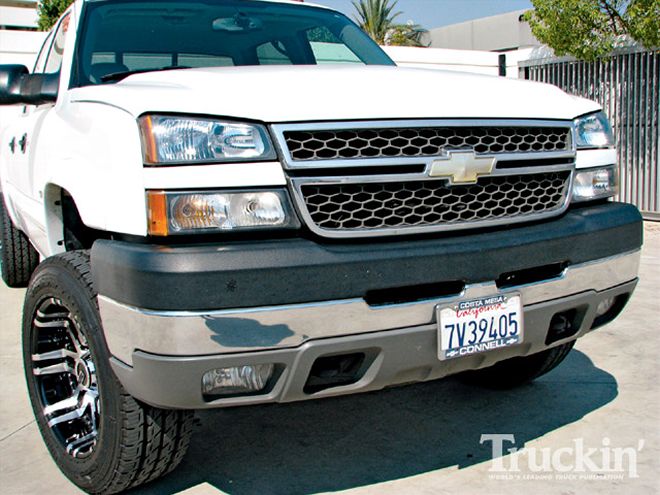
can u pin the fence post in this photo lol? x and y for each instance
(501, 63)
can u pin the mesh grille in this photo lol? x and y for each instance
(423, 203)
(423, 142)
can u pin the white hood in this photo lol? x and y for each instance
(274, 94)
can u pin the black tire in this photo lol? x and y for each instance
(518, 371)
(18, 258)
(117, 442)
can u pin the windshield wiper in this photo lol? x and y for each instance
(118, 76)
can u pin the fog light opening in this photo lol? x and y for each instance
(238, 380)
(608, 309)
(604, 306)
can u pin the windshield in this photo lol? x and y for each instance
(127, 36)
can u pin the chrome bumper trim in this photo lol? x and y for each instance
(187, 333)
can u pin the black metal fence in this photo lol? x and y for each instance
(626, 85)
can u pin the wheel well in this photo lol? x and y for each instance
(66, 229)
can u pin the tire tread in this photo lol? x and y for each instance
(19, 258)
(152, 441)
(518, 371)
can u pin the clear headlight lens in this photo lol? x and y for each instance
(198, 212)
(593, 131)
(595, 183)
(174, 140)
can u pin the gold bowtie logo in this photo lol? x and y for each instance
(462, 167)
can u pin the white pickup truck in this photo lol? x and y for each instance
(232, 202)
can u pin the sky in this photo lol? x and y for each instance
(436, 13)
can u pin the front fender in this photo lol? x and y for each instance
(93, 151)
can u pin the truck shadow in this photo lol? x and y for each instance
(340, 443)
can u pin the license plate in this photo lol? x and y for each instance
(479, 325)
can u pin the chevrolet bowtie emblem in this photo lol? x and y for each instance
(462, 167)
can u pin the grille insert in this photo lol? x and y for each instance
(425, 203)
(423, 141)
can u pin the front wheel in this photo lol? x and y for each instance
(100, 437)
(517, 371)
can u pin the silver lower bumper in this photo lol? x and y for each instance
(182, 333)
(391, 357)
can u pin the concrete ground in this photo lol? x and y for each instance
(420, 439)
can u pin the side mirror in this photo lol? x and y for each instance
(11, 77)
(19, 87)
(38, 89)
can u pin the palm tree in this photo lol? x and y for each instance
(375, 17)
(409, 34)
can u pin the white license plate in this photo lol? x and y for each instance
(479, 325)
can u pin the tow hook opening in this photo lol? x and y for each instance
(335, 371)
(565, 324)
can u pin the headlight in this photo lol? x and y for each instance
(177, 140)
(595, 183)
(593, 131)
(201, 212)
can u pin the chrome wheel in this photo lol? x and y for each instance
(65, 378)
(100, 437)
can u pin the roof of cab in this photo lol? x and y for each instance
(294, 2)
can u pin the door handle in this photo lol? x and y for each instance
(12, 145)
(23, 143)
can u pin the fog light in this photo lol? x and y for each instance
(604, 306)
(237, 380)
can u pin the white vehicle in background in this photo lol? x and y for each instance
(223, 203)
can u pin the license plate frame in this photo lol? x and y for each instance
(502, 313)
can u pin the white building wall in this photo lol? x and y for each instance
(17, 17)
(19, 42)
(495, 33)
(480, 62)
(20, 47)
(18, 14)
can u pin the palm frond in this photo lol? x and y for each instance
(376, 17)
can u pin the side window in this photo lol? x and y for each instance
(54, 61)
(273, 53)
(139, 61)
(41, 58)
(328, 49)
(103, 58)
(193, 60)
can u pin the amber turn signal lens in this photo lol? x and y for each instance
(148, 140)
(157, 217)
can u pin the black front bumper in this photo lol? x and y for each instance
(269, 273)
